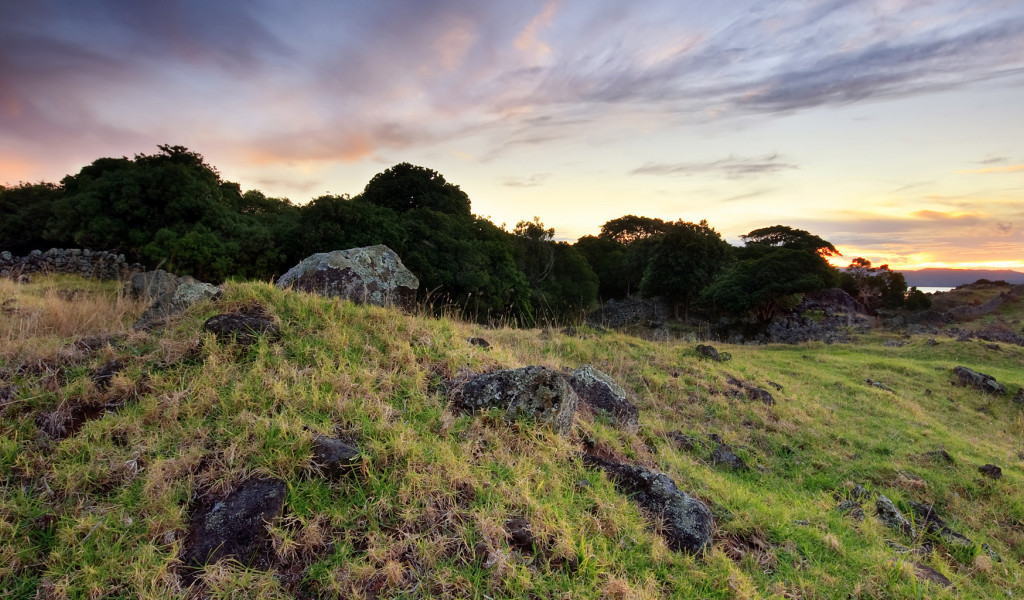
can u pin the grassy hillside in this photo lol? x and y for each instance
(100, 474)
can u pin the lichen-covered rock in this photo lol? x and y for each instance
(686, 522)
(891, 516)
(712, 353)
(852, 508)
(600, 392)
(242, 328)
(236, 527)
(169, 295)
(536, 393)
(371, 275)
(971, 378)
(334, 457)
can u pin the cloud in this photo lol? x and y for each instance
(732, 167)
(1002, 169)
(525, 182)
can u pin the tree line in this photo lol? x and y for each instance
(173, 209)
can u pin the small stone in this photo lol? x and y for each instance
(879, 385)
(891, 516)
(479, 341)
(940, 455)
(723, 455)
(851, 508)
(712, 353)
(930, 575)
(1018, 398)
(242, 328)
(520, 535)
(334, 457)
(991, 471)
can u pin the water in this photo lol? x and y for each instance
(933, 290)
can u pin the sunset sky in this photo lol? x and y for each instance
(893, 128)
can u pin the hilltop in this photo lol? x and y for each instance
(115, 442)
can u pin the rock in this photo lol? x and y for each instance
(891, 516)
(686, 522)
(893, 344)
(600, 392)
(940, 455)
(757, 394)
(971, 378)
(520, 535)
(236, 527)
(479, 341)
(372, 275)
(933, 524)
(930, 575)
(1018, 398)
(723, 455)
(537, 393)
(169, 296)
(879, 385)
(334, 457)
(991, 471)
(712, 353)
(851, 508)
(104, 374)
(860, 493)
(683, 441)
(241, 327)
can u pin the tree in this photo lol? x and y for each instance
(26, 212)
(686, 259)
(405, 187)
(562, 284)
(875, 287)
(607, 258)
(782, 236)
(762, 286)
(631, 228)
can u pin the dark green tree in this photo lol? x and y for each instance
(607, 258)
(782, 236)
(630, 228)
(687, 259)
(875, 287)
(405, 187)
(562, 284)
(26, 212)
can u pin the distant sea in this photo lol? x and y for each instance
(932, 290)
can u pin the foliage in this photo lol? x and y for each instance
(782, 236)
(405, 187)
(875, 287)
(764, 285)
(917, 300)
(25, 210)
(631, 228)
(562, 284)
(608, 260)
(686, 260)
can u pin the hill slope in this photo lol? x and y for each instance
(105, 465)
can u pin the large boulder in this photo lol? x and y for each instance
(600, 392)
(537, 393)
(371, 275)
(169, 295)
(686, 522)
(971, 378)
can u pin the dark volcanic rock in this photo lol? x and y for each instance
(991, 471)
(105, 374)
(687, 523)
(940, 455)
(1018, 398)
(981, 381)
(757, 394)
(879, 385)
(537, 393)
(600, 392)
(479, 341)
(891, 516)
(236, 526)
(371, 275)
(851, 508)
(520, 535)
(684, 442)
(933, 524)
(243, 328)
(723, 455)
(712, 353)
(930, 575)
(334, 457)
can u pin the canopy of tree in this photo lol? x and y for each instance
(172, 209)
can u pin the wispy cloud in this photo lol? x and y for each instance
(525, 182)
(1002, 169)
(732, 167)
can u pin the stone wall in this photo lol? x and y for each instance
(86, 263)
(630, 311)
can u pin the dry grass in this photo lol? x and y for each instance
(52, 310)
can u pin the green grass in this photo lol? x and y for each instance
(104, 512)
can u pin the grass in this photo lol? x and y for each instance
(103, 510)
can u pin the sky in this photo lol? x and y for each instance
(892, 128)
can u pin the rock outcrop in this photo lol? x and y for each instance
(169, 295)
(971, 378)
(686, 522)
(535, 393)
(600, 392)
(892, 517)
(371, 275)
(242, 327)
